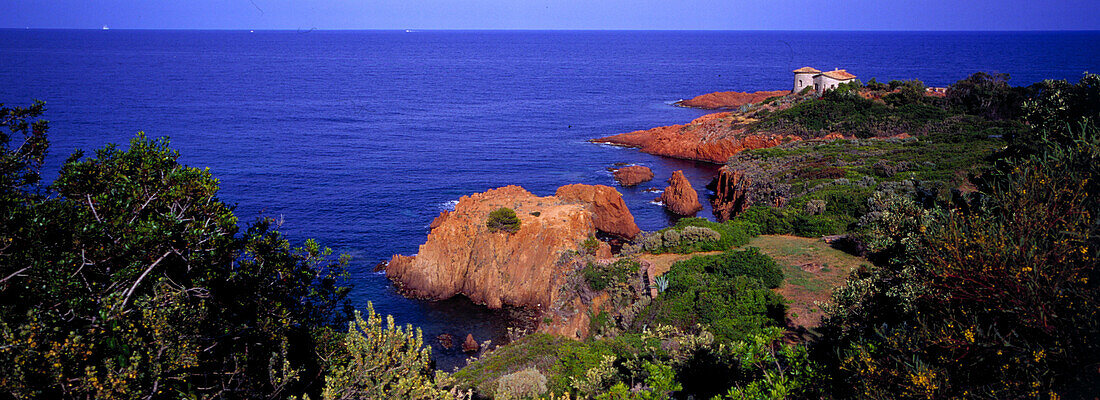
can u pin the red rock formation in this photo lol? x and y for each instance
(730, 194)
(461, 256)
(711, 138)
(609, 211)
(577, 325)
(679, 197)
(446, 341)
(470, 345)
(633, 175)
(729, 100)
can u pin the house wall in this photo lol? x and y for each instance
(802, 80)
(823, 83)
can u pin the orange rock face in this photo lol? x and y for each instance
(633, 175)
(679, 197)
(729, 100)
(709, 138)
(730, 194)
(461, 256)
(609, 212)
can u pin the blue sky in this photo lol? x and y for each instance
(556, 14)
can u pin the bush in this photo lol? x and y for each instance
(526, 383)
(374, 352)
(820, 225)
(770, 220)
(601, 276)
(691, 235)
(987, 95)
(590, 245)
(698, 234)
(728, 293)
(1001, 298)
(503, 219)
(129, 276)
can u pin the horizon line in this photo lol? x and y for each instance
(312, 29)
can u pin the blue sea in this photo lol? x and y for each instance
(360, 138)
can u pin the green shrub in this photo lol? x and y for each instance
(526, 383)
(728, 293)
(503, 219)
(820, 225)
(590, 245)
(601, 276)
(691, 235)
(770, 220)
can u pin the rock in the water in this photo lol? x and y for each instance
(730, 194)
(609, 212)
(470, 345)
(633, 175)
(679, 197)
(461, 256)
(446, 340)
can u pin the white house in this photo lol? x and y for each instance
(820, 81)
(804, 77)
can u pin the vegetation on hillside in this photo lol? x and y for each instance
(127, 277)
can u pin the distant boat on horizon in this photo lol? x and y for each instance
(105, 27)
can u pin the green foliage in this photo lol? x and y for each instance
(772, 221)
(875, 85)
(994, 297)
(907, 93)
(130, 277)
(781, 372)
(851, 114)
(23, 145)
(384, 361)
(691, 235)
(590, 245)
(727, 293)
(503, 219)
(526, 383)
(662, 283)
(987, 95)
(601, 276)
(538, 350)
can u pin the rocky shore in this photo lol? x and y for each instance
(729, 100)
(711, 138)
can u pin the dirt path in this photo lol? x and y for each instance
(812, 269)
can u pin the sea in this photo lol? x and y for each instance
(360, 138)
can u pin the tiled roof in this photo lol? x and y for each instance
(840, 75)
(805, 70)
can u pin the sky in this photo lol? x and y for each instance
(555, 14)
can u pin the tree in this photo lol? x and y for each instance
(385, 362)
(503, 219)
(130, 279)
(986, 95)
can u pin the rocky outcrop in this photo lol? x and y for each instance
(576, 325)
(470, 345)
(446, 341)
(731, 188)
(679, 197)
(461, 256)
(632, 175)
(711, 138)
(609, 212)
(729, 100)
